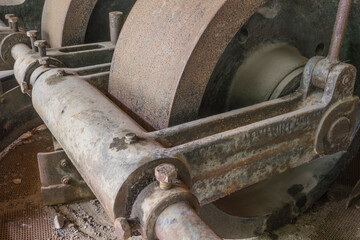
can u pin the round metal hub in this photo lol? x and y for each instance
(272, 71)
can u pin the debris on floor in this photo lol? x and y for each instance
(23, 215)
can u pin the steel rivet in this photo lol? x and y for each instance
(64, 163)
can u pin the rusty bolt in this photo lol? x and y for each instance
(44, 61)
(66, 180)
(64, 163)
(41, 45)
(33, 34)
(130, 138)
(122, 228)
(13, 21)
(165, 174)
(339, 131)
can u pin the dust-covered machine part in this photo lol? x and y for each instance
(185, 119)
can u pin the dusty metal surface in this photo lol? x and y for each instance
(180, 221)
(190, 38)
(218, 164)
(60, 181)
(64, 23)
(103, 126)
(317, 119)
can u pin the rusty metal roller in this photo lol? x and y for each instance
(162, 64)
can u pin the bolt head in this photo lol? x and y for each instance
(9, 15)
(14, 19)
(130, 138)
(32, 33)
(66, 180)
(64, 163)
(165, 173)
(122, 228)
(40, 43)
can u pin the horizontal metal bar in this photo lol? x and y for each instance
(205, 127)
(84, 54)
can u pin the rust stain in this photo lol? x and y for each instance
(118, 144)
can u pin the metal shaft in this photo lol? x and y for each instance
(180, 221)
(116, 20)
(19, 50)
(339, 29)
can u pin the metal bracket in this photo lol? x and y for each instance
(60, 181)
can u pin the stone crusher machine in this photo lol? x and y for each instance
(200, 120)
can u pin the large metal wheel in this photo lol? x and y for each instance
(72, 22)
(182, 60)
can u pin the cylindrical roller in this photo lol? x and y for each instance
(180, 221)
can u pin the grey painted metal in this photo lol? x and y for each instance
(180, 221)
